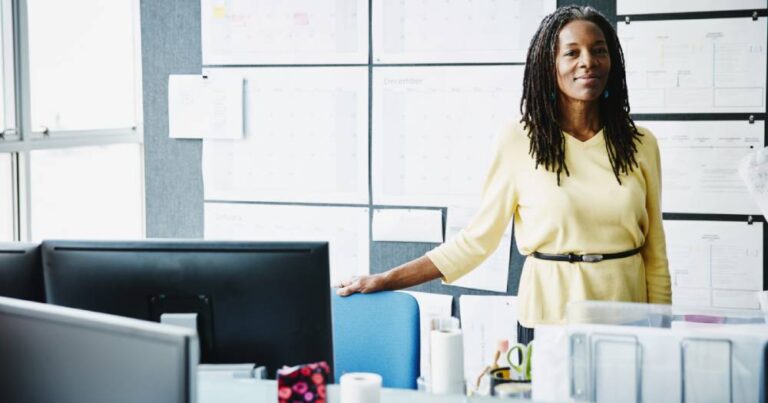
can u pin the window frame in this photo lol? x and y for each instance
(19, 138)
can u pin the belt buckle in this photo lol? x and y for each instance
(594, 258)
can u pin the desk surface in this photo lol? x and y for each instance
(221, 389)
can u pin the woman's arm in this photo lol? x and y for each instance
(471, 246)
(655, 249)
(417, 271)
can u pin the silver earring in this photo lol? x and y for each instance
(605, 94)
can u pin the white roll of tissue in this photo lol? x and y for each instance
(360, 387)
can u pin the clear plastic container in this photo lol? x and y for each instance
(659, 316)
(611, 351)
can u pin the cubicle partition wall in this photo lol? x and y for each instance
(21, 271)
(56, 354)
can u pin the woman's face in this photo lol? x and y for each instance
(582, 61)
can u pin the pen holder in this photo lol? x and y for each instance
(303, 383)
(504, 375)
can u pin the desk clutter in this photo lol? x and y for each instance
(515, 371)
(655, 353)
(447, 374)
(611, 351)
(605, 351)
(513, 380)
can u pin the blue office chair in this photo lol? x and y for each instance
(377, 333)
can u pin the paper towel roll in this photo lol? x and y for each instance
(360, 387)
(446, 361)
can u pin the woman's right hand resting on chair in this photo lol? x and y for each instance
(417, 271)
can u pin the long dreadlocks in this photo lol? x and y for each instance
(539, 106)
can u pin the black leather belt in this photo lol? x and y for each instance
(589, 258)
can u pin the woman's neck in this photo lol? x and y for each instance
(579, 118)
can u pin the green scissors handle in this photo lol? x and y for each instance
(524, 353)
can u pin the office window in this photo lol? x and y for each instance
(72, 118)
(82, 58)
(4, 47)
(6, 198)
(87, 192)
(4, 78)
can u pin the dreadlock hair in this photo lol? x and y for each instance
(540, 112)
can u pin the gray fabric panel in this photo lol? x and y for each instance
(170, 36)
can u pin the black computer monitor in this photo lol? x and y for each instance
(21, 272)
(257, 302)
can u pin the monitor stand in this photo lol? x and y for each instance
(188, 304)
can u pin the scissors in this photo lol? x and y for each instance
(523, 353)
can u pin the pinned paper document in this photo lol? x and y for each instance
(493, 273)
(205, 107)
(408, 225)
(753, 169)
(715, 263)
(699, 162)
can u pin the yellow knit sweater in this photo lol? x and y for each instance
(588, 213)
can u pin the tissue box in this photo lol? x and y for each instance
(303, 383)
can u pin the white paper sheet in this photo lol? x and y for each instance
(237, 32)
(699, 164)
(485, 320)
(306, 138)
(735, 299)
(706, 65)
(430, 306)
(550, 364)
(624, 7)
(344, 228)
(201, 107)
(715, 263)
(753, 170)
(493, 273)
(707, 370)
(439, 31)
(434, 130)
(407, 225)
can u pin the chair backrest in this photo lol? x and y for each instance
(21, 271)
(377, 333)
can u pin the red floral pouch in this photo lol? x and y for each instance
(303, 383)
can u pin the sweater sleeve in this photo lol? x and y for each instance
(655, 248)
(473, 244)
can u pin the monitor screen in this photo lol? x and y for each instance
(57, 354)
(256, 302)
(21, 272)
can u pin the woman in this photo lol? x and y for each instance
(582, 181)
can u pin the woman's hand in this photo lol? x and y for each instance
(361, 284)
(417, 271)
